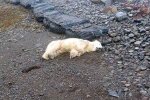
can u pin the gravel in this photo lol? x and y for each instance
(122, 64)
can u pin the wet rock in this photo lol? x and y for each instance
(120, 16)
(113, 93)
(137, 43)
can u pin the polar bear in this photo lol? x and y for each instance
(75, 46)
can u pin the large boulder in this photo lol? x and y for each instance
(40, 9)
(29, 3)
(58, 22)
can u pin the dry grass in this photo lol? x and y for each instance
(10, 16)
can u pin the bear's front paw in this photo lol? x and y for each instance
(45, 57)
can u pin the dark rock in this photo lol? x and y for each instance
(139, 85)
(141, 30)
(137, 20)
(29, 3)
(147, 86)
(120, 16)
(39, 11)
(88, 33)
(16, 2)
(96, 1)
(106, 42)
(59, 22)
(141, 56)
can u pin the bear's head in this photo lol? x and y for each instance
(97, 45)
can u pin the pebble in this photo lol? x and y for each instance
(127, 85)
(131, 35)
(137, 43)
(113, 93)
(120, 16)
(143, 92)
(142, 68)
(116, 39)
(125, 89)
(113, 34)
(132, 40)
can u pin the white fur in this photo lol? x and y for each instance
(76, 47)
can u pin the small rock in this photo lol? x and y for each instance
(131, 35)
(141, 30)
(136, 48)
(137, 34)
(127, 31)
(41, 94)
(147, 86)
(125, 89)
(113, 93)
(142, 68)
(113, 34)
(137, 20)
(132, 40)
(116, 39)
(141, 56)
(120, 16)
(148, 91)
(130, 94)
(139, 85)
(143, 92)
(137, 43)
(127, 85)
(130, 51)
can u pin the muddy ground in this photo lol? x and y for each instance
(24, 75)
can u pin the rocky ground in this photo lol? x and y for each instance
(119, 72)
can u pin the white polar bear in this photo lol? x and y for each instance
(75, 46)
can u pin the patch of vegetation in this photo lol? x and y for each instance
(9, 16)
